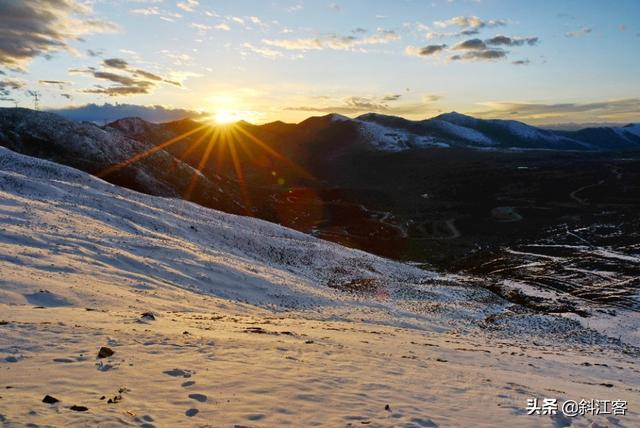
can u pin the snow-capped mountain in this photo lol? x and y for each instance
(455, 129)
(95, 150)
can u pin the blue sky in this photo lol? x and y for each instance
(537, 61)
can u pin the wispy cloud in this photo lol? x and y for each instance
(512, 41)
(424, 51)
(188, 5)
(469, 22)
(334, 41)
(476, 49)
(29, 28)
(615, 110)
(262, 51)
(127, 80)
(580, 32)
(389, 104)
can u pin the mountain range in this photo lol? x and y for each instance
(440, 191)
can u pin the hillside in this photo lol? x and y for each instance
(215, 318)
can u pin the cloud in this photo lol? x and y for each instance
(616, 110)
(147, 11)
(135, 81)
(115, 63)
(9, 85)
(297, 7)
(61, 84)
(360, 104)
(480, 55)
(223, 27)
(110, 112)
(263, 51)
(188, 5)
(486, 50)
(30, 28)
(165, 15)
(470, 22)
(147, 74)
(579, 33)
(335, 42)
(512, 41)
(94, 53)
(471, 44)
(521, 62)
(392, 97)
(424, 51)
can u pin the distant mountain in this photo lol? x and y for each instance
(391, 133)
(458, 130)
(427, 189)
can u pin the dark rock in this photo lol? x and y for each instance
(49, 399)
(76, 408)
(387, 408)
(105, 352)
(191, 412)
(148, 316)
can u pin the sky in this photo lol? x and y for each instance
(542, 62)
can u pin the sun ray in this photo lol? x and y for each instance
(301, 171)
(201, 164)
(185, 155)
(146, 153)
(238, 169)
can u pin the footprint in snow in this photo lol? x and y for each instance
(178, 373)
(198, 397)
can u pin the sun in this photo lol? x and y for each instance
(224, 116)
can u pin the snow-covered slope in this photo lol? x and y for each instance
(131, 238)
(164, 284)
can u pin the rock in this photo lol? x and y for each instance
(105, 352)
(148, 316)
(191, 412)
(49, 399)
(387, 408)
(76, 408)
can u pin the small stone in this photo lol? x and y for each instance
(105, 352)
(76, 408)
(49, 399)
(148, 316)
(387, 408)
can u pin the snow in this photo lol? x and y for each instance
(383, 137)
(631, 128)
(335, 117)
(464, 133)
(393, 139)
(527, 132)
(250, 328)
